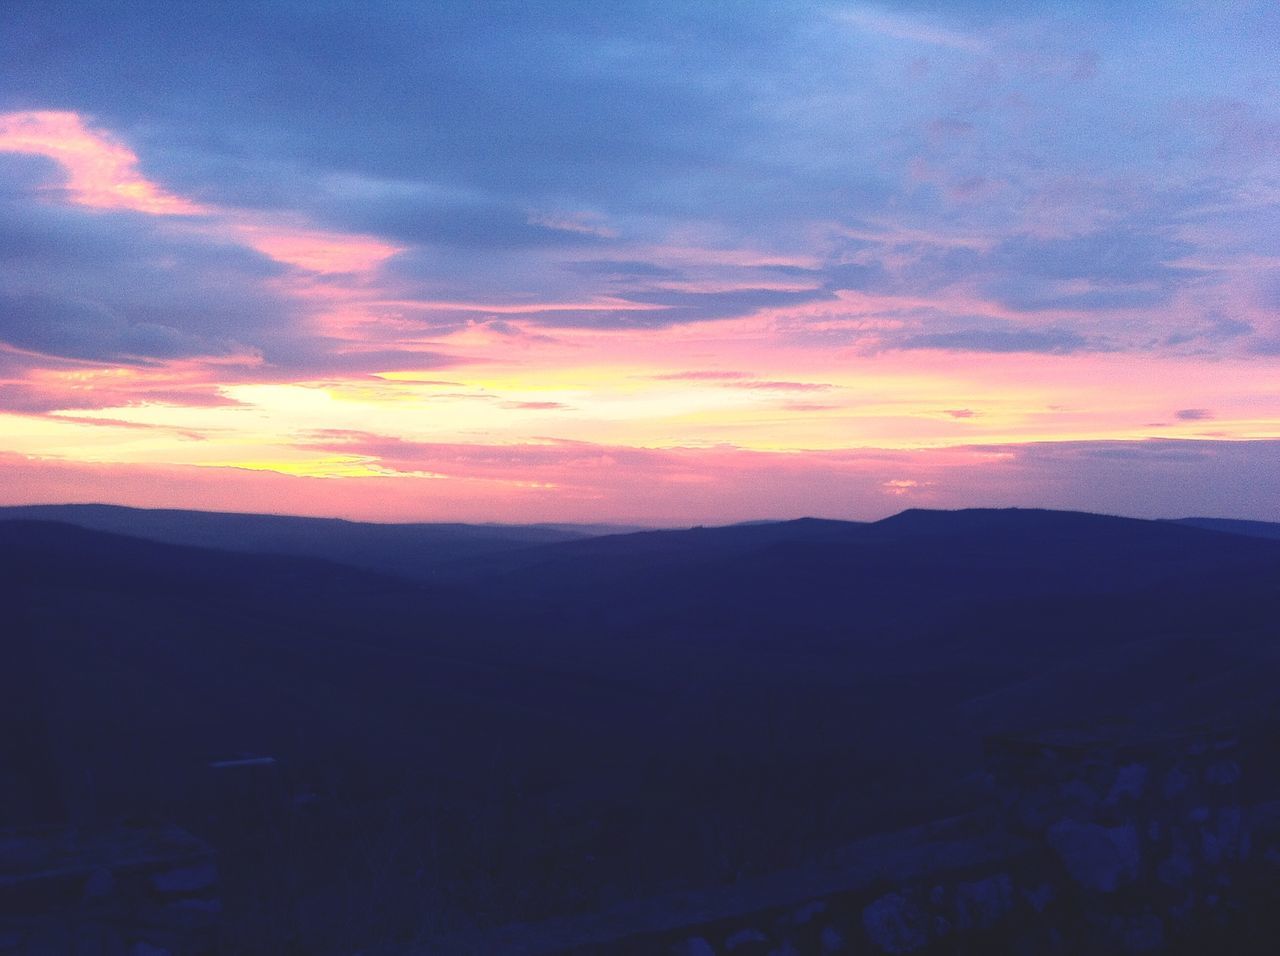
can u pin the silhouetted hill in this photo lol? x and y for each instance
(843, 583)
(52, 554)
(410, 550)
(620, 552)
(1072, 547)
(555, 727)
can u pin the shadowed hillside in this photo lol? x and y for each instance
(569, 725)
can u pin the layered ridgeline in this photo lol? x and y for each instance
(413, 550)
(556, 726)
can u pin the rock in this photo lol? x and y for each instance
(1033, 812)
(984, 903)
(1232, 833)
(1223, 773)
(786, 949)
(48, 937)
(99, 884)
(1212, 848)
(1099, 858)
(1130, 781)
(1125, 840)
(896, 925)
(186, 879)
(805, 914)
(1080, 793)
(91, 938)
(186, 914)
(1039, 897)
(1034, 943)
(1142, 934)
(198, 906)
(831, 941)
(744, 938)
(1176, 868)
(1175, 782)
(1183, 911)
(693, 946)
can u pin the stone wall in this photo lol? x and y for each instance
(122, 892)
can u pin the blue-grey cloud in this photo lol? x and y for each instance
(623, 269)
(468, 225)
(1127, 269)
(1068, 146)
(87, 330)
(1046, 341)
(1213, 330)
(1193, 414)
(117, 285)
(511, 99)
(663, 308)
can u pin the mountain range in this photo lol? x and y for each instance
(463, 710)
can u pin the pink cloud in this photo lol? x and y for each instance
(774, 386)
(47, 391)
(740, 380)
(101, 173)
(809, 407)
(710, 375)
(315, 250)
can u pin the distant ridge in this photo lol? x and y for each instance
(453, 551)
(810, 577)
(1251, 529)
(408, 550)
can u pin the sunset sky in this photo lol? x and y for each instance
(652, 262)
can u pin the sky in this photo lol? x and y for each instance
(652, 262)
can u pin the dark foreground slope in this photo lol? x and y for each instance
(401, 730)
(583, 722)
